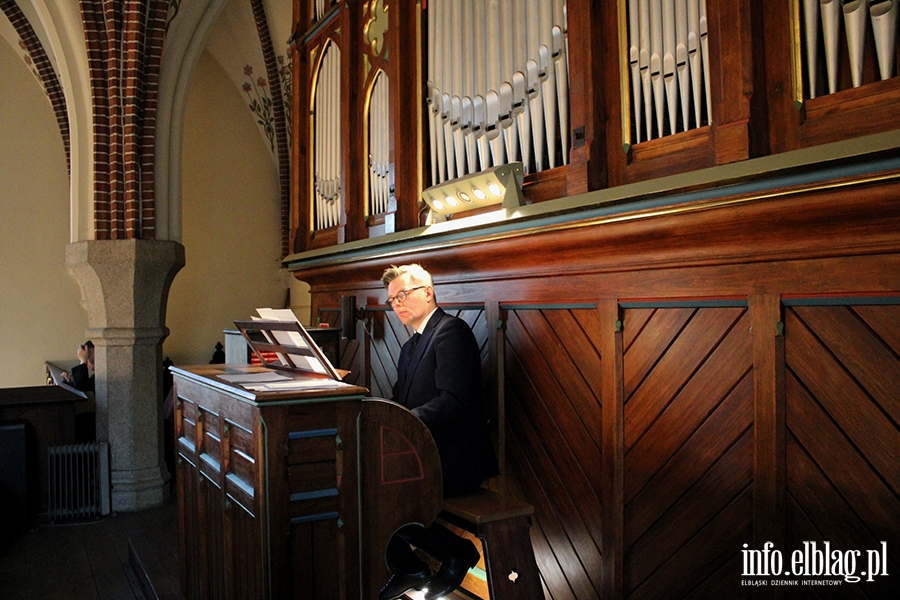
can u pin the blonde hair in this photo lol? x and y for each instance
(417, 274)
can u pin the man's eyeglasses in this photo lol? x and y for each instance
(402, 294)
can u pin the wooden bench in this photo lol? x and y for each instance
(501, 522)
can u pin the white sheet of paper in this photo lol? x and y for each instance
(296, 384)
(264, 377)
(277, 314)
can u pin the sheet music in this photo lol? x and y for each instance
(291, 338)
(264, 377)
(277, 314)
(56, 374)
(295, 384)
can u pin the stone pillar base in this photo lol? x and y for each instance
(125, 286)
(138, 489)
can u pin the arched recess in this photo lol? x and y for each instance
(185, 41)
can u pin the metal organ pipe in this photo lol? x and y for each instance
(681, 60)
(827, 14)
(498, 76)
(704, 54)
(694, 59)
(643, 19)
(811, 19)
(560, 57)
(656, 51)
(431, 101)
(669, 45)
(831, 33)
(458, 91)
(334, 157)
(634, 62)
(327, 131)
(379, 153)
(509, 81)
(468, 108)
(884, 15)
(533, 76)
(548, 78)
(856, 23)
(479, 69)
(517, 42)
(436, 70)
(509, 106)
(494, 46)
(668, 60)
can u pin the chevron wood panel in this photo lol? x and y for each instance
(688, 450)
(552, 387)
(843, 431)
(351, 351)
(387, 336)
(477, 321)
(689, 438)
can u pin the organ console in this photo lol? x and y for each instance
(290, 483)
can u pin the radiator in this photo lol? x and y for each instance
(78, 489)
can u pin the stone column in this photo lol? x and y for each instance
(125, 287)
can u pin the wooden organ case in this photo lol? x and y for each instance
(758, 179)
(292, 491)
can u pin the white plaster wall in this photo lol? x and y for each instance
(41, 317)
(231, 220)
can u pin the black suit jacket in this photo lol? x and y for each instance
(82, 380)
(439, 380)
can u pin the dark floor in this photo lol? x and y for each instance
(91, 561)
(103, 560)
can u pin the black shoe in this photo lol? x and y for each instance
(452, 573)
(402, 581)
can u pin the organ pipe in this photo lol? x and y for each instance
(497, 85)
(666, 58)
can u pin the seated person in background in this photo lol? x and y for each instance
(82, 375)
(439, 380)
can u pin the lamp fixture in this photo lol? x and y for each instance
(496, 185)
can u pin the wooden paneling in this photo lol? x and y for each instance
(553, 439)
(351, 350)
(843, 440)
(689, 448)
(670, 391)
(267, 491)
(388, 336)
(726, 434)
